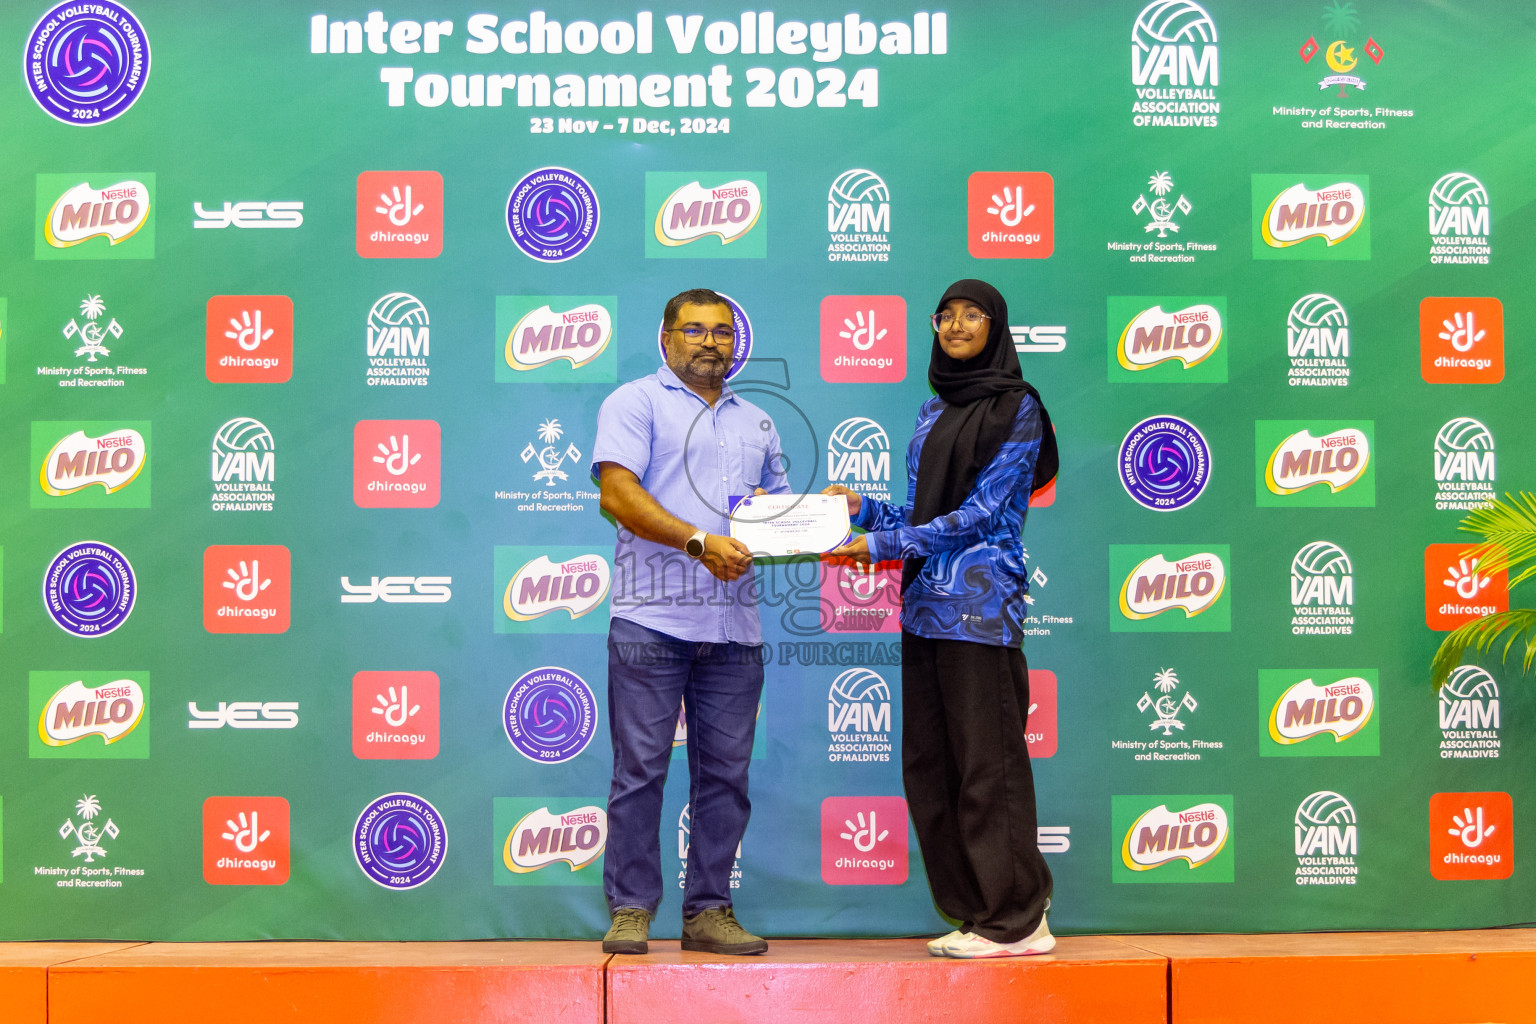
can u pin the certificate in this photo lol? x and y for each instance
(790, 524)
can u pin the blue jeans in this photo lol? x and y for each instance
(649, 675)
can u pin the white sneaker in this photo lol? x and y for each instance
(974, 947)
(936, 946)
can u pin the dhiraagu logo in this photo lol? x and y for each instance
(695, 215)
(1172, 839)
(556, 339)
(1319, 713)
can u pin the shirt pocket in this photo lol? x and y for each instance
(753, 457)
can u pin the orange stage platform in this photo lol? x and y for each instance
(1361, 978)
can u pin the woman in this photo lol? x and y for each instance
(978, 450)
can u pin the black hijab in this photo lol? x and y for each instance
(981, 397)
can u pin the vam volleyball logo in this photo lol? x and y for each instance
(1172, 838)
(1164, 463)
(548, 841)
(1175, 66)
(1167, 339)
(692, 219)
(87, 63)
(859, 717)
(1314, 464)
(539, 594)
(1296, 221)
(1327, 840)
(859, 457)
(1317, 342)
(858, 218)
(1465, 470)
(91, 466)
(1322, 591)
(1183, 593)
(80, 220)
(1319, 713)
(399, 341)
(244, 467)
(1469, 714)
(1460, 220)
(89, 714)
(400, 840)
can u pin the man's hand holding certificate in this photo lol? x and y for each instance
(790, 524)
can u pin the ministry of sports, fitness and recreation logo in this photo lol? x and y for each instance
(549, 715)
(399, 341)
(859, 717)
(1294, 220)
(243, 467)
(88, 714)
(400, 840)
(1319, 713)
(89, 589)
(1160, 208)
(1154, 586)
(858, 218)
(1464, 465)
(1322, 591)
(103, 216)
(552, 214)
(1317, 342)
(1169, 712)
(87, 63)
(1314, 464)
(1164, 463)
(91, 465)
(1175, 66)
(1469, 714)
(1327, 840)
(550, 595)
(859, 457)
(1153, 834)
(1460, 220)
(1339, 55)
(1157, 339)
(702, 216)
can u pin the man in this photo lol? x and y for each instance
(671, 451)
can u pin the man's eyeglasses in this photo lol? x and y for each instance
(694, 334)
(944, 321)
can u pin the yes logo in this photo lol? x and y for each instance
(1458, 589)
(78, 221)
(396, 463)
(539, 594)
(1294, 221)
(1461, 340)
(1172, 838)
(245, 588)
(1319, 713)
(863, 339)
(548, 841)
(864, 840)
(90, 465)
(555, 338)
(1010, 215)
(1167, 339)
(1314, 464)
(88, 714)
(697, 216)
(1161, 593)
(245, 840)
(249, 339)
(399, 214)
(395, 715)
(1471, 836)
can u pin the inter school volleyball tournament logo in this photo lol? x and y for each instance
(1175, 66)
(1164, 463)
(1465, 470)
(1309, 217)
(1460, 220)
(1172, 838)
(102, 216)
(1314, 464)
(400, 840)
(1167, 339)
(541, 834)
(1461, 339)
(1317, 342)
(1469, 714)
(549, 715)
(87, 63)
(1327, 840)
(858, 218)
(92, 714)
(555, 338)
(741, 351)
(1319, 713)
(550, 595)
(90, 465)
(89, 589)
(399, 341)
(1322, 591)
(700, 216)
(1183, 593)
(552, 214)
(243, 467)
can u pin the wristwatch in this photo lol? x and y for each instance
(695, 544)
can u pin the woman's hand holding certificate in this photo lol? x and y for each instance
(790, 524)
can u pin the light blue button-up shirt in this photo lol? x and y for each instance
(692, 459)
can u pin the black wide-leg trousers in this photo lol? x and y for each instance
(969, 786)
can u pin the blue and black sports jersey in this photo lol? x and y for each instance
(974, 583)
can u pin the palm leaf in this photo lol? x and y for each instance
(1508, 529)
(1481, 635)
